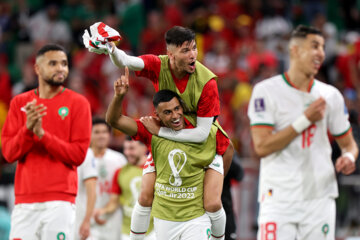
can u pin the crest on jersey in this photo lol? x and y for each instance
(63, 112)
(259, 104)
(325, 229)
(60, 236)
(177, 159)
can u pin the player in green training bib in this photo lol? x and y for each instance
(178, 207)
(125, 188)
(180, 72)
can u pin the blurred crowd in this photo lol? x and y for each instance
(243, 42)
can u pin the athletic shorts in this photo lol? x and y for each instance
(47, 220)
(305, 220)
(148, 236)
(194, 229)
(217, 165)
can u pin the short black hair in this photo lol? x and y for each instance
(301, 31)
(97, 120)
(50, 47)
(177, 35)
(165, 95)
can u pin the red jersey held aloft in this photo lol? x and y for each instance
(46, 169)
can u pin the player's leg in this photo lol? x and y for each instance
(277, 222)
(197, 229)
(213, 183)
(58, 220)
(25, 222)
(167, 230)
(140, 218)
(319, 220)
(227, 157)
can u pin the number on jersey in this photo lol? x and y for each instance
(308, 135)
(268, 231)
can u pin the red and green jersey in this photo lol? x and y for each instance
(46, 168)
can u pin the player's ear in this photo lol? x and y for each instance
(156, 113)
(36, 69)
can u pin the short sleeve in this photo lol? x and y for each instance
(88, 167)
(115, 188)
(209, 103)
(338, 123)
(260, 109)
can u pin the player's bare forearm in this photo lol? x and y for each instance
(114, 115)
(112, 205)
(346, 162)
(266, 142)
(90, 186)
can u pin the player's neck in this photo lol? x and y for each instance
(299, 79)
(47, 91)
(98, 152)
(176, 72)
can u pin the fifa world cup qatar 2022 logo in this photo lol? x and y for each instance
(177, 159)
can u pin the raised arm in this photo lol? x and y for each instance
(120, 59)
(114, 116)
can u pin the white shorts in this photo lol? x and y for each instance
(194, 229)
(47, 220)
(217, 165)
(148, 236)
(306, 220)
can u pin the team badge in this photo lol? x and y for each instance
(259, 105)
(325, 229)
(63, 112)
(208, 233)
(60, 236)
(177, 159)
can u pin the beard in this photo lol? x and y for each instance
(54, 83)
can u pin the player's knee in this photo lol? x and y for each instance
(146, 199)
(212, 205)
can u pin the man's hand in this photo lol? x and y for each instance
(34, 113)
(152, 124)
(101, 38)
(345, 165)
(98, 216)
(121, 85)
(316, 110)
(38, 130)
(84, 229)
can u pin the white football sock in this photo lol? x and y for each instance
(218, 221)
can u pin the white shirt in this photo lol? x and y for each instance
(303, 170)
(107, 166)
(85, 171)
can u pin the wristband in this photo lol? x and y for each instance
(301, 123)
(350, 156)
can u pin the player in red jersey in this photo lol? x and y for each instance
(47, 132)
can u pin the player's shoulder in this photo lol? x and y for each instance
(24, 97)
(326, 89)
(74, 96)
(114, 154)
(270, 83)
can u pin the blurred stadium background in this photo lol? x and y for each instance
(243, 42)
